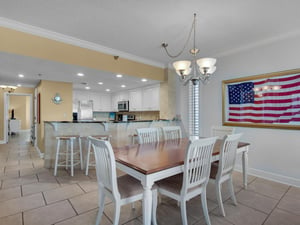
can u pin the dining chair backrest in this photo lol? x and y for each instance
(105, 166)
(228, 155)
(197, 164)
(221, 131)
(147, 135)
(171, 132)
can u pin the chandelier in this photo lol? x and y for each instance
(196, 69)
(8, 89)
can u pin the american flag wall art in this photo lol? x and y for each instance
(266, 101)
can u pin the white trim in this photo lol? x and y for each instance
(271, 176)
(26, 28)
(2, 142)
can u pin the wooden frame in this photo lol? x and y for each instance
(269, 100)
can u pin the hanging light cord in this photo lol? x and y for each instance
(165, 45)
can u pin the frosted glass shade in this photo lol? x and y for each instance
(182, 67)
(206, 62)
(204, 70)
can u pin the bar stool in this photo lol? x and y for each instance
(69, 139)
(88, 163)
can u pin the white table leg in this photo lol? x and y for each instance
(245, 167)
(147, 202)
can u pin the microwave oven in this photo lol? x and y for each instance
(123, 106)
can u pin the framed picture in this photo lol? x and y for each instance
(268, 101)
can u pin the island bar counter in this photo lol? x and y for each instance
(122, 133)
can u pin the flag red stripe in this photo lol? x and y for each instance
(265, 108)
(283, 79)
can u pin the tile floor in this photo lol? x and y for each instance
(31, 195)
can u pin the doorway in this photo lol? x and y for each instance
(18, 117)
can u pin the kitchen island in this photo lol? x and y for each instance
(122, 132)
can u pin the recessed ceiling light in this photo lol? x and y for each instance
(107, 89)
(100, 83)
(80, 74)
(87, 88)
(19, 85)
(123, 85)
(21, 75)
(144, 80)
(119, 75)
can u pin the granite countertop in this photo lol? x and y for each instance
(98, 121)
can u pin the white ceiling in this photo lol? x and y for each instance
(135, 28)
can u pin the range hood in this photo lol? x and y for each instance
(85, 110)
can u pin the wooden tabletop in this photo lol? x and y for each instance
(154, 157)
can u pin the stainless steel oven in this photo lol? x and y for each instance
(123, 106)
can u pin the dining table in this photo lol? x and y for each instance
(151, 162)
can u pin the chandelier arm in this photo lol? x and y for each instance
(165, 45)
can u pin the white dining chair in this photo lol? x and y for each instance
(221, 171)
(221, 131)
(193, 181)
(147, 135)
(121, 190)
(171, 132)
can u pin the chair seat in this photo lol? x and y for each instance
(129, 186)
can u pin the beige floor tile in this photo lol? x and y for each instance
(291, 204)
(62, 193)
(256, 201)
(12, 220)
(49, 214)
(10, 193)
(88, 218)
(17, 205)
(20, 181)
(85, 202)
(29, 189)
(268, 188)
(241, 214)
(78, 177)
(173, 215)
(280, 217)
(9, 175)
(126, 214)
(88, 186)
(215, 220)
(294, 191)
(134, 222)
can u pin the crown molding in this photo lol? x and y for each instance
(26, 28)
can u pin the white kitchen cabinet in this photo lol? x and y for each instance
(135, 100)
(116, 97)
(105, 103)
(101, 101)
(150, 98)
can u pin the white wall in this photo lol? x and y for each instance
(275, 153)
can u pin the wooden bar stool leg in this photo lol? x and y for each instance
(80, 153)
(56, 157)
(88, 159)
(72, 158)
(67, 154)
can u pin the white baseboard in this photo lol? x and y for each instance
(271, 176)
(39, 152)
(2, 142)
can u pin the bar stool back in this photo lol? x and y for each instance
(69, 151)
(89, 152)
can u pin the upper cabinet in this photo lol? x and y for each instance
(140, 99)
(135, 100)
(101, 101)
(150, 98)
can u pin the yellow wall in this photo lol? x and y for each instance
(50, 111)
(21, 106)
(18, 90)
(21, 43)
